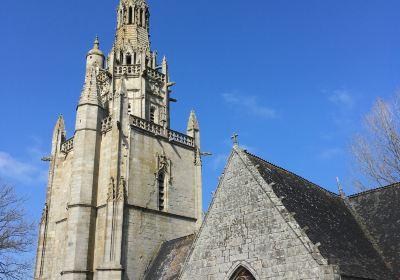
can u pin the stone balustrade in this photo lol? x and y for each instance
(155, 75)
(172, 136)
(106, 124)
(67, 146)
(181, 138)
(130, 70)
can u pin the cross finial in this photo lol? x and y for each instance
(235, 138)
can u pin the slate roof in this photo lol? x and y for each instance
(379, 210)
(170, 259)
(329, 222)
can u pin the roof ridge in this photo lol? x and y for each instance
(375, 190)
(290, 172)
(179, 238)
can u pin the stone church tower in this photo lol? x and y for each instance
(125, 182)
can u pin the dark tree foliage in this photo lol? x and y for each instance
(16, 236)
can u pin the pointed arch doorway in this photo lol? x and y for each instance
(242, 274)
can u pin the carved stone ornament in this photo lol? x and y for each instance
(162, 162)
(104, 84)
(121, 190)
(111, 190)
(116, 192)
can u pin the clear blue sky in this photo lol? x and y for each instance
(292, 78)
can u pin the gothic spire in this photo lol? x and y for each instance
(133, 26)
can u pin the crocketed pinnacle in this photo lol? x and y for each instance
(193, 124)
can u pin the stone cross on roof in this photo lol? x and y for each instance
(235, 138)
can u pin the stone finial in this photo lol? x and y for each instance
(96, 43)
(96, 48)
(193, 129)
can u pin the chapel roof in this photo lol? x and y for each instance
(328, 221)
(380, 213)
(170, 259)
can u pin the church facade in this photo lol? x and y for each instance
(124, 198)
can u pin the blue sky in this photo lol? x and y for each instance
(292, 78)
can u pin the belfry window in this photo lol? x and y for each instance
(121, 57)
(161, 190)
(128, 59)
(141, 18)
(130, 15)
(152, 114)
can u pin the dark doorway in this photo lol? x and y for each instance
(242, 274)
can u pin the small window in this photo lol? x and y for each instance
(141, 18)
(161, 190)
(128, 59)
(130, 15)
(152, 114)
(121, 57)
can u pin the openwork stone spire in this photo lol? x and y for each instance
(133, 26)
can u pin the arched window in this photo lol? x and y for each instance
(130, 15)
(242, 274)
(121, 57)
(161, 190)
(128, 59)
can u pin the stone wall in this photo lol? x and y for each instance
(181, 190)
(57, 214)
(244, 227)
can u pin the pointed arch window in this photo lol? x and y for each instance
(242, 274)
(130, 15)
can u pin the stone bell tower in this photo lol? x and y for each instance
(124, 183)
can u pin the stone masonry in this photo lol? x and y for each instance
(246, 226)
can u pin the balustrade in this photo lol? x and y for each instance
(130, 70)
(172, 136)
(154, 74)
(106, 124)
(67, 146)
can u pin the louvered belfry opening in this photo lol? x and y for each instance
(161, 191)
(242, 274)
